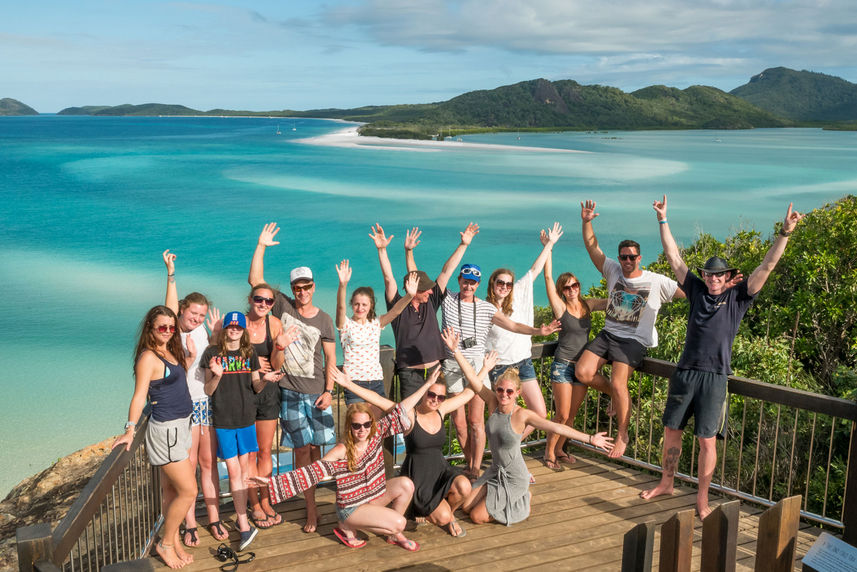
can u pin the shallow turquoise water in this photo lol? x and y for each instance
(90, 204)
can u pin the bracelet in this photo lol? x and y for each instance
(662, 221)
(171, 275)
(279, 347)
(129, 424)
(785, 234)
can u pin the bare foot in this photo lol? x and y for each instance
(311, 519)
(566, 458)
(619, 446)
(167, 552)
(703, 510)
(661, 489)
(183, 554)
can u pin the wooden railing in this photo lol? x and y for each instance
(781, 442)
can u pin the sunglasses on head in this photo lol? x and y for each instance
(263, 300)
(503, 283)
(303, 288)
(358, 426)
(571, 286)
(508, 391)
(163, 329)
(628, 256)
(432, 395)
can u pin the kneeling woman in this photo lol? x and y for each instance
(439, 489)
(160, 378)
(502, 493)
(357, 464)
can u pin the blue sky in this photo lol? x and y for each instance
(287, 54)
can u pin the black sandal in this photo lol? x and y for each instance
(193, 537)
(218, 527)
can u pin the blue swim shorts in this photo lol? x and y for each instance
(236, 442)
(304, 423)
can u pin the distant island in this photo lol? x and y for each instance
(9, 106)
(777, 97)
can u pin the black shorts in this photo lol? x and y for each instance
(622, 350)
(701, 394)
(268, 403)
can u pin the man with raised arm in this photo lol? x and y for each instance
(306, 389)
(633, 300)
(698, 385)
(419, 347)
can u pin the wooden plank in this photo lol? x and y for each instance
(677, 542)
(775, 548)
(34, 543)
(719, 535)
(637, 548)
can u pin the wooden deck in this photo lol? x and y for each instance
(578, 520)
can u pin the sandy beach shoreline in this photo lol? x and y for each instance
(349, 138)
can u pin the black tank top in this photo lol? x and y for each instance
(169, 395)
(265, 349)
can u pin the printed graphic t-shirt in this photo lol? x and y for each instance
(633, 303)
(361, 349)
(233, 403)
(304, 365)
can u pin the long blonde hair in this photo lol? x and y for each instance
(560, 282)
(348, 437)
(506, 306)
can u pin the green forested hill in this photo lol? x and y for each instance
(9, 106)
(801, 95)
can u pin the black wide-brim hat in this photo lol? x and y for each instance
(716, 264)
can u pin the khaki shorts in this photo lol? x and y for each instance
(455, 382)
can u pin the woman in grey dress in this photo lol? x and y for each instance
(502, 493)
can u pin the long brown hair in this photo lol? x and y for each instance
(560, 282)
(146, 338)
(348, 437)
(245, 348)
(506, 307)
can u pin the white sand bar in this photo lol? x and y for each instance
(350, 138)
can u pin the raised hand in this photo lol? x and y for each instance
(341, 377)
(412, 238)
(289, 336)
(736, 279)
(214, 320)
(490, 360)
(548, 329)
(343, 270)
(554, 233)
(450, 338)
(661, 208)
(170, 261)
(791, 220)
(469, 232)
(215, 366)
(587, 211)
(269, 231)
(412, 283)
(602, 441)
(379, 238)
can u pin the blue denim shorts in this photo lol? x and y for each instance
(377, 386)
(562, 371)
(526, 371)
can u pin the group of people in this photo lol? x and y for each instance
(277, 361)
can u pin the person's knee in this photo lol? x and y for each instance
(480, 517)
(707, 444)
(462, 487)
(398, 524)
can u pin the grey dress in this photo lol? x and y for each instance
(507, 480)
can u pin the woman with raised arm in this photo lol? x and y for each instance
(574, 313)
(515, 299)
(502, 493)
(191, 311)
(360, 334)
(357, 464)
(439, 489)
(160, 379)
(269, 340)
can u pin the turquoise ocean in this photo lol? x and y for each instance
(89, 204)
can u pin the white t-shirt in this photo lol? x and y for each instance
(472, 324)
(633, 303)
(195, 375)
(511, 347)
(361, 349)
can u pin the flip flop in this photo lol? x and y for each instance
(407, 544)
(216, 528)
(449, 528)
(263, 523)
(194, 539)
(566, 458)
(552, 465)
(276, 516)
(349, 542)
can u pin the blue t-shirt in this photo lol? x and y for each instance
(712, 325)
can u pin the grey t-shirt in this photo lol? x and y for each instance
(304, 365)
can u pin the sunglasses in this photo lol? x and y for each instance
(439, 397)
(358, 426)
(471, 272)
(628, 256)
(571, 286)
(510, 392)
(713, 274)
(503, 283)
(263, 300)
(164, 329)
(304, 288)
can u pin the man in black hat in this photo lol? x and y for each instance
(698, 385)
(419, 347)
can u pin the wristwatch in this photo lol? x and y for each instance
(129, 424)
(332, 392)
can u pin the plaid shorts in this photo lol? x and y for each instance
(201, 412)
(304, 423)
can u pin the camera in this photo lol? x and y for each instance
(468, 342)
